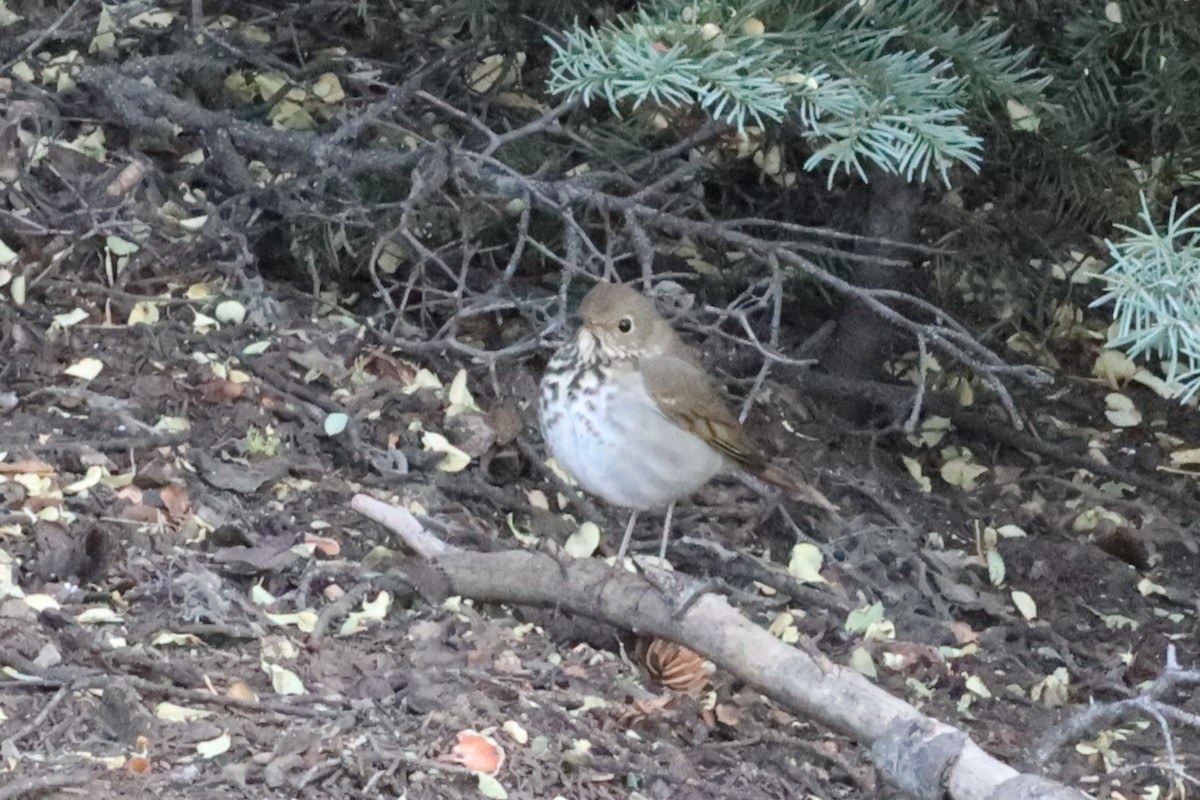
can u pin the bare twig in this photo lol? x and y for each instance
(48, 33)
(1149, 702)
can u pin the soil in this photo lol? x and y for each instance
(179, 524)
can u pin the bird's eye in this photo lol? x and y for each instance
(625, 325)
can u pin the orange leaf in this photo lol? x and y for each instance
(329, 547)
(476, 752)
(219, 390)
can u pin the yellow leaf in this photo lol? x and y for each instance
(424, 379)
(93, 476)
(1051, 691)
(805, 563)
(284, 681)
(914, 469)
(1121, 411)
(106, 37)
(203, 323)
(455, 461)
(372, 611)
(70, 319)
(1021, 116)
(329, 89)
(1113, 367)
(959, 470)
(169, 639)
(753, 26)
(170, 712)
(862, 663)
(1156, 384)
(515, 732)
(172, 425)
(783, 628)
(1145, 587)
(41, 602)
(155, 18)
(1185, 457)
(461, 400)
(269, 84)
(977, 687)
(584, 541)
(214, 747)
(1025, 604)
(497, 71)
(85, 368)
(97, 615)
(8, 17)
(933, 429)
(289, 115)
(143, 313)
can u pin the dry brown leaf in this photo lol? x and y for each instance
(242, 691)
(728, 714)
(643, 708)
(26, 467)
(140, 512)
(383, 365)
(220, 390)
(175, 499)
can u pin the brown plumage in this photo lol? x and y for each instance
(682, 389)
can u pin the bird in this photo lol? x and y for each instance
(629, 412)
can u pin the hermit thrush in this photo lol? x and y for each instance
(628, 412)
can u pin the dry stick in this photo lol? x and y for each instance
(108, 444)
(919, 754)
(62, 694)
(836, 235)
(44, 36)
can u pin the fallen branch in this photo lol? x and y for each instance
(918, 754)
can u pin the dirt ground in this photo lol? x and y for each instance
(178, 559)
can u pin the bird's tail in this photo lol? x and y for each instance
(797, 488)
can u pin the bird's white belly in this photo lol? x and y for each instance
(625, 450)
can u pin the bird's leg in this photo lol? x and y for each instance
(628, 535)
(662, 550)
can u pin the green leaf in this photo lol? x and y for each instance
(335, 423)
(490, 787)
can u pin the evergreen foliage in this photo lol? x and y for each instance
(1123, 94)
(887, 84)
(1154, 286)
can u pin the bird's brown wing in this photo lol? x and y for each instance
(688, 398)
(686, 395)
